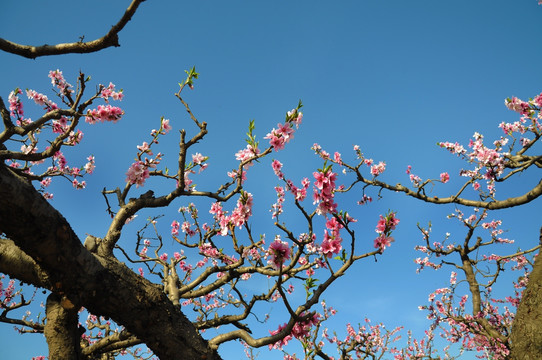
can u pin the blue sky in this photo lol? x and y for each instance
(392, 76)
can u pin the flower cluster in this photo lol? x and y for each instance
(104, 113)
(384, 227)
(41, 100)
(57, 79)
(63, 127)
(7, 294)
(471, 330)
(300, 193)
(15, 104)
(139, 171)
(302, 329)
(324, 189)
(247, 153)
(285, 132)
(238, 217)
(332, 238)
(378, 169)
(109, 92)
(278, 253)
(276, 209)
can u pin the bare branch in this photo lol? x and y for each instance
(108, 40)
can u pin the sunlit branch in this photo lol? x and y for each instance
(116, 341)
(80, 47)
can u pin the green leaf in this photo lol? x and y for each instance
(309, 284)
(342, 257)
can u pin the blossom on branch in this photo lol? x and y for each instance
(384, 227)
(137, 173)
(278, 253)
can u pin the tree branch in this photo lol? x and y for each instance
(18, 265)
(108, 40)
(44, 234)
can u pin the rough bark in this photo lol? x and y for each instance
(526, 337)
(17, 264)
(103, 285)
(61, 329)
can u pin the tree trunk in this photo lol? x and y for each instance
(526, 337)
(61, 329)
(104, 286)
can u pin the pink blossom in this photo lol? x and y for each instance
(57, 79)
(47, 195)
(197, 158)
(216, 209)
(185, 228)
(294, 116)
(386, 224)
(518, 105)
(175, 228)
(378, 169)
(137, 173)
(278, 253)
(246, 154)
(444, 177)
(277, 166)
(279, 137)
(330, 245)
(454, 148)
(243, 210)
(41, 99)
(453, 278)
(277, 207)
(144, 148)
(324, 191)
(46, 182)
(79, 185)
(337, 158)
(61, 160)
(415, 179)
(104, 113)
(109, 92)
(383, 241)
(74, 138)
(15, 104)
(165, 125)
(279, 344)
(90, 166)
(365, 200)
(234, 175)
(209, 250)
(303, 328)
(381, 225)
(299, 193)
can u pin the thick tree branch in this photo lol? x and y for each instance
(526, 337)
(61, 330)
(18, 265)
(142, 307)
(108, 40)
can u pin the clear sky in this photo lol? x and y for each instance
(392, 76)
